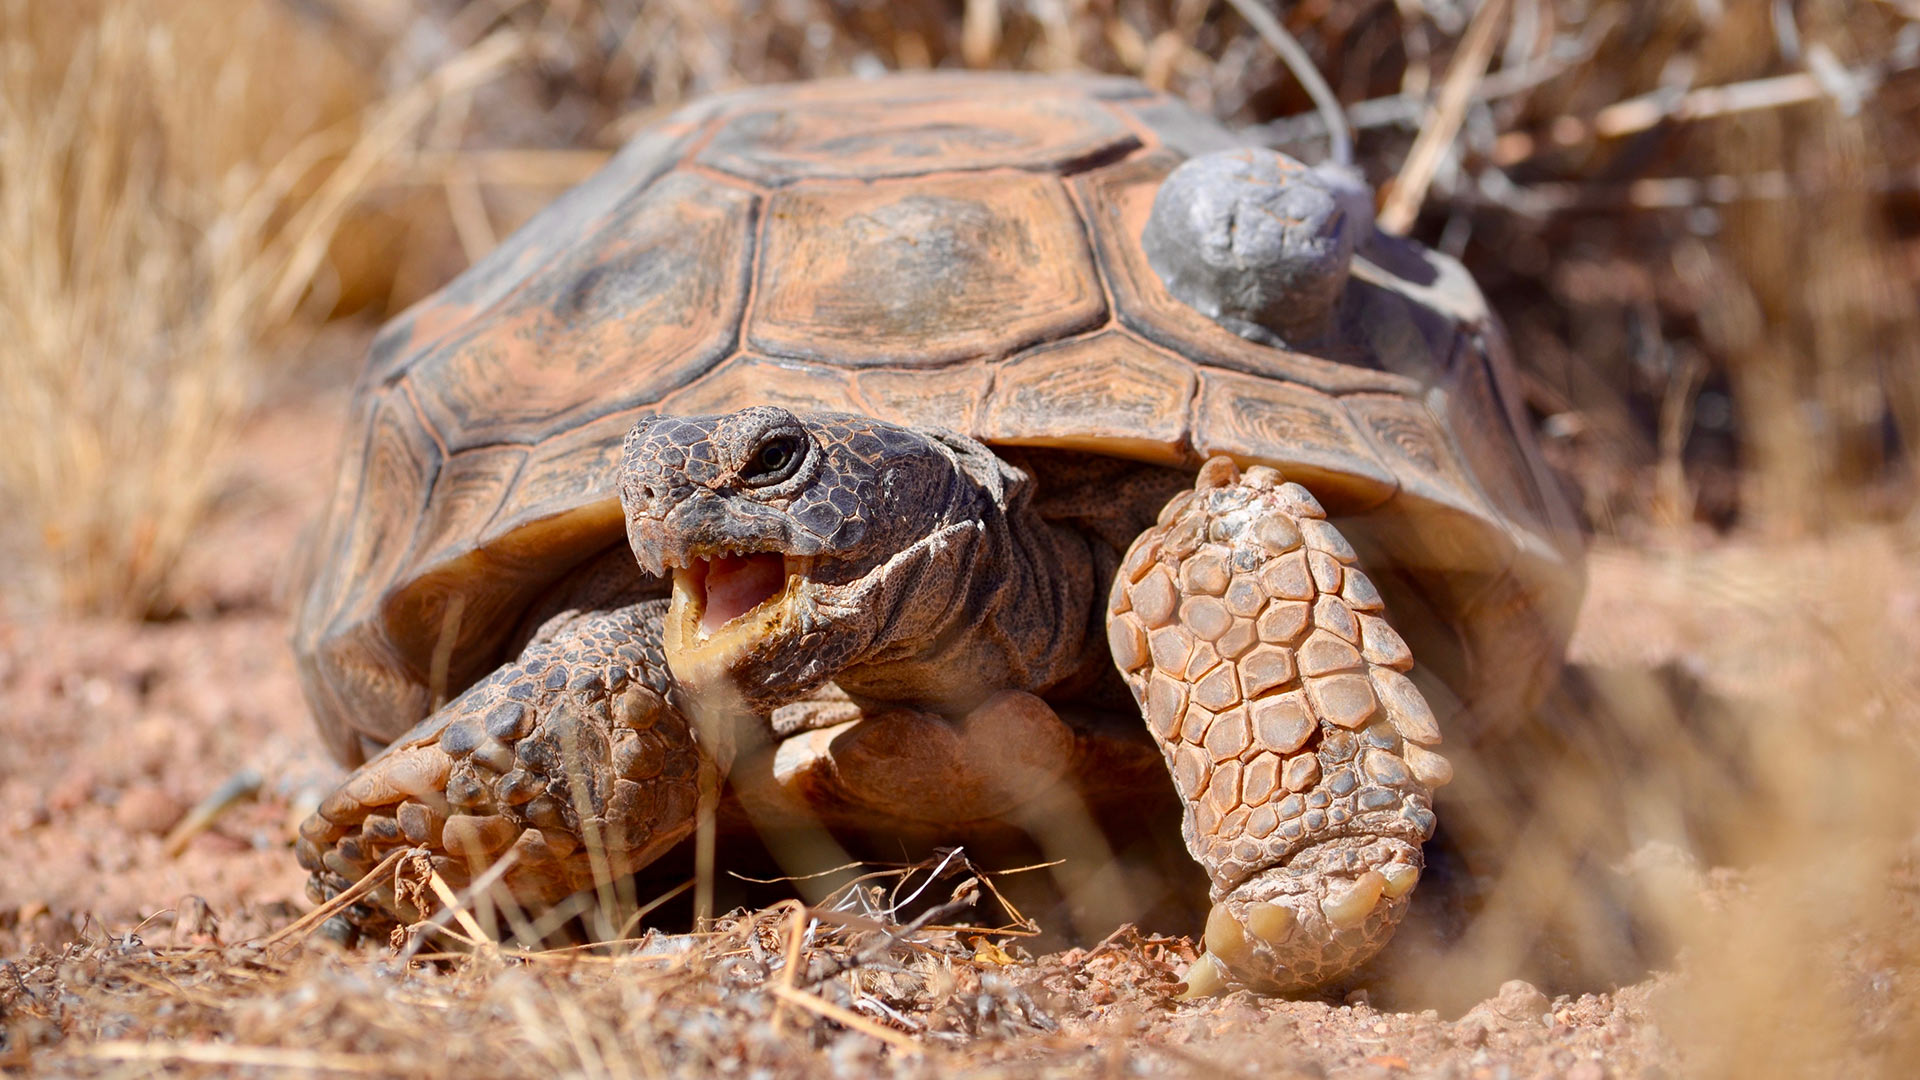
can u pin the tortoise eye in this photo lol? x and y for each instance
(775, 460)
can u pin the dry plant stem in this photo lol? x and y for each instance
(1641, 113)
(237, 788)
(262, 1057)
(1708, 102)
(980, 32)
(151, 247)
(846, 1017)
(1673, 496)
(367, 883)
(1409, 189)
(459, 908)
(796, 928)
(1339, 131)
(705, 839)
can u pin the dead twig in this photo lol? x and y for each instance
(1643, 112)
(1339, 132)
(268, 1057)
(236, 789)
(1409, 188)
(847, 1018)
(367, 883)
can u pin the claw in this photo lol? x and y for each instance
(1428, 767)
(1272, 923)
(420, 823)
(477, 836)
(404, 772)
(1224, 938)
(1219, 471)
(1349, 910)
(1400, 879)
(1205, 978)
(1261, 476)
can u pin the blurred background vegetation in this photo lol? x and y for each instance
(1700, 220)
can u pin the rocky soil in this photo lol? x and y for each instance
(1758, 690)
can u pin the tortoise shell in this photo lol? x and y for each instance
(957, 251)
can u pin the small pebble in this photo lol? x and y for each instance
(146, 808)
(1520, 1001)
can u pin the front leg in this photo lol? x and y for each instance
(1276, 689)
(573, 758)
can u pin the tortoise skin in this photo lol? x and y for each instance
(929, 579)
(580, 739)
(961, 251)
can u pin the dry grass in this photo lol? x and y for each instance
(141, 233)
(172, 178)
(1720, 791)
(868, 982)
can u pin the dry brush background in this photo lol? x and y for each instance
(1700, 221)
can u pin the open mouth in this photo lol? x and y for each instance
(729, 586)
(723, 605)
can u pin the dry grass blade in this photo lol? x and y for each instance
(796, 928)
(367, 883)
(1409, 189)
(455, 904)
(165, 204)
(265, 1057)
(1339, 130)
(847, 1017)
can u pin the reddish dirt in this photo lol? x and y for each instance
(113, 731)
(109, 732)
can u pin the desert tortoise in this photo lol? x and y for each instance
(909, 387)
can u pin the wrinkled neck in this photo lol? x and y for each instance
(1003, 605)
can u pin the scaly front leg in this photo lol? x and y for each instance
(1261, 659)
(573, 759)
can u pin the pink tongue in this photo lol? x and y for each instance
(737, 584)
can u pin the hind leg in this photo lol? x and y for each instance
(1267, 673)
(572, 760)
(904, 770)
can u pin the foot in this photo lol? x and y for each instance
(571, 760)
(1277, 691)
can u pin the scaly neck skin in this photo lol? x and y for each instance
(1013, 612)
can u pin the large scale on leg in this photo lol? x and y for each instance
(1277, 691)
(900, 382)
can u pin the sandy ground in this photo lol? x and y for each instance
(110, 732)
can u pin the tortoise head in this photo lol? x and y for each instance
(798, 546)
